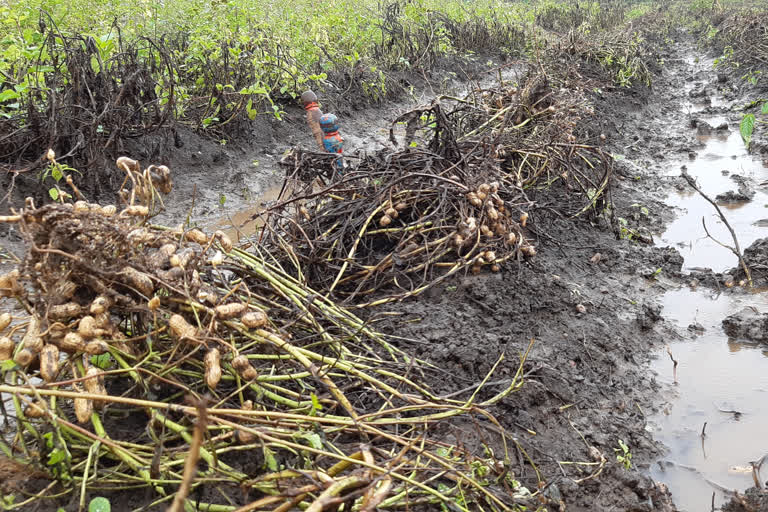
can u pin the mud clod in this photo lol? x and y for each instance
(747, 324)
(756, 258)
(703, 128)
(745, 192)
(649, 316)
(753, 500)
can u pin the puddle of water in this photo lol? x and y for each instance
(712, 372)
(722, 152)
(244, 223)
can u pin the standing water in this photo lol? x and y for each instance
(720, 382)
(714, 422)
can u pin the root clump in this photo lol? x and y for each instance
(145, 347)
(462, 194)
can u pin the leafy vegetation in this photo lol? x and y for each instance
(83, 88)
(216, 60)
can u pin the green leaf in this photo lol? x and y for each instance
(764, 109)
(56, 456)
(57, 174)
(54, 193)
(746, 128)
(7, 365)
(316, 405)
(103, 361)
(254, 89)
(99, 504)
(312, 439)
(8, 94)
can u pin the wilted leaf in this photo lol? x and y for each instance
(269, 459)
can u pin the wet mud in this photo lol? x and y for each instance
(712, 418)
(605, 314)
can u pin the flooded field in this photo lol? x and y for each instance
(243, 223)
(714, 418)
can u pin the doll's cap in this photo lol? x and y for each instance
(329, 122)
(308, 97)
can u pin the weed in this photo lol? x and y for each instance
(56, 171)
(726, 59)
(625, 233)
(623, 455)
(643, 209)
(747, 125)
(753, 77)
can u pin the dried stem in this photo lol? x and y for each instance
(735, 249)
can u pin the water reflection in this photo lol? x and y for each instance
(245, 223)
(722, 162)
(715, 375)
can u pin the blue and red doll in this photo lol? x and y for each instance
(332, 140)
(325, 128)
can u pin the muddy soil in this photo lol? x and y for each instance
(590, 301)
(721, 369)
(587, 301)
(595, 307)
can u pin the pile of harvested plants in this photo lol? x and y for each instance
(622, 55)
(168, 360)
(458, 197)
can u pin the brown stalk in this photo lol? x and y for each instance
(190, 466)
(674, 365)
(735, 249)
